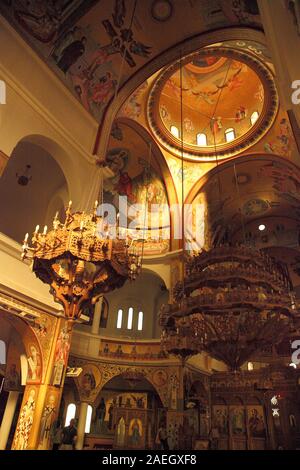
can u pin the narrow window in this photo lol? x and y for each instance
(119, 319)
(130, 318)
(175, 131)
(71, 411)
(201, 140)
(229, 134)
(88, 419)
(2, 352)
(254, 117)
(140, 321)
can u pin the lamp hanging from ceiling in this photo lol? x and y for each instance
(83, 257)
(235, 300)
(80, 260)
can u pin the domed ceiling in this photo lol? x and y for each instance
(215, 101)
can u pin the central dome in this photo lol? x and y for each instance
(215, 101)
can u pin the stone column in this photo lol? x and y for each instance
(81, 425)
(8, 418)
(97, 316)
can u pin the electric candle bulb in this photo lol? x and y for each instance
(37, 229)
(45, 230)
(26, 237)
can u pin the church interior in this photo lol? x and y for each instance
(149, 225)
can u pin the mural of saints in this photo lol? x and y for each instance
(25, 422)
(237, 420)
(34, 364)
(145, 187)
(61, 355)
(256, 422)
(220, 417)
(121, 433)
(48, 418)
(135, 432)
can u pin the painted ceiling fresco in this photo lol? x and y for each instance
(217, 93)
(216, 100)
(278, 140)
(136, 174)
(84, 41)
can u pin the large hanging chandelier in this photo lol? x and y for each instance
(233, 301)
(81, 259)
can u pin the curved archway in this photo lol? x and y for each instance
(157, 154)
(141, 174)
(128, 396)
(244, 190)
(32, 347)
(164, 169)
(29, 184)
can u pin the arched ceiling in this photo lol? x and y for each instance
(84, 41)
(247, 192)
(139, 174)
(23, 207)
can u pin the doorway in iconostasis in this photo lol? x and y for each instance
(128, 410)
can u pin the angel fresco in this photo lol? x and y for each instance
(40, 19)
(87, 63)
(44, 20)
(122, 39)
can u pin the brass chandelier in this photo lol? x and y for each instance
(81, 259)
(234, 300)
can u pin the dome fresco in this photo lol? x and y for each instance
(217, 100)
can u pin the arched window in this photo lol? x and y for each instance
(119, 318)
(229, 134)
(88, 419)
(2, 352)
(175, 131)
(130, 318)
(250, 366)
(71, 412)
(201, 140)
(140, 321)
(253, 118)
